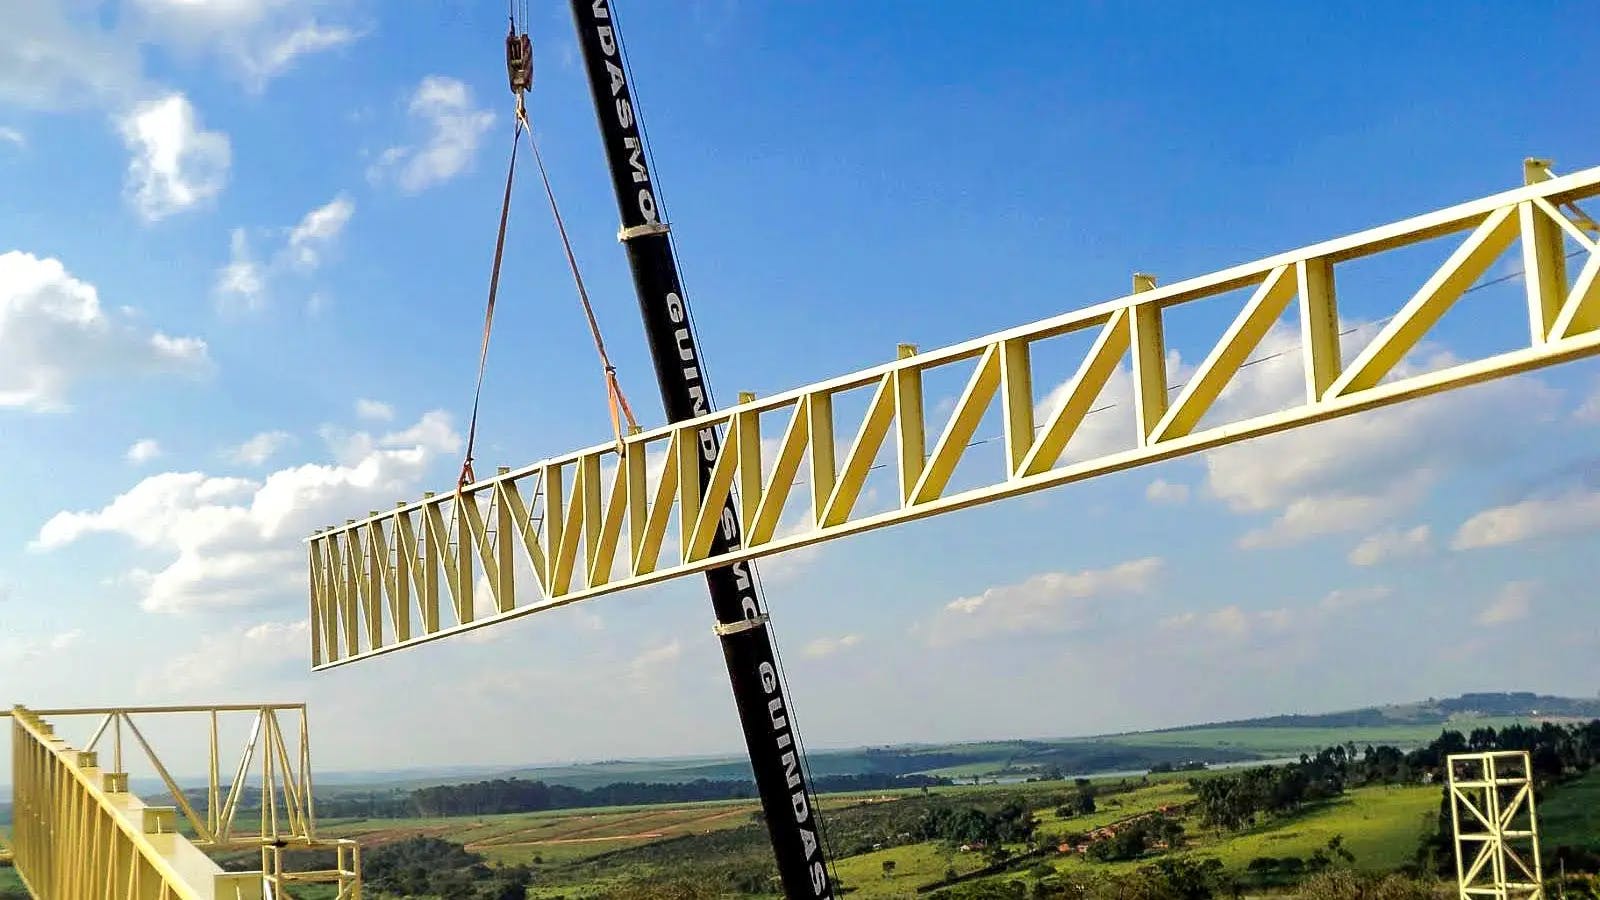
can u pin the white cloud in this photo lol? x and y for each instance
(1392, 544)
(259, 448)
(1230, 622)
(63, 55)
(143, 451)
(1342, 599)
(1359, 471)
(651, 667)
(277, 55)
(444, 109)
(1333, 513)
(245, 282)
(54, 334)
(1048, 602)
(1163, 491)
(1513, 602)
(321, 227)
(828, 646)
(257, 40)
(176, 165)
(235, 542)
(374, 410)
(242, 282)
(13, 136)
(221, 662)
(50, 61)
(1590, 410)
(18, 650)
(1570, 513)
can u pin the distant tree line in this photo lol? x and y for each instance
(515, 795)
(1238, 800)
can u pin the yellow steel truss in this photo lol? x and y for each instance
(1496, 826)
(80, 833)
(378, 584)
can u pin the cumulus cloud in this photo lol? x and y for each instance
(1048, 602)
(1513, 602)
(442, 108)
(259, 448)
(54, 334)
(828, 646)
(1392, 544)
(176, 165)
(143, 451)
(235, 542)
(1571, 513)
(1163, 491)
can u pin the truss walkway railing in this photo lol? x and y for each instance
(79, 832)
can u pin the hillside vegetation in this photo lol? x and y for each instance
(1339, 818)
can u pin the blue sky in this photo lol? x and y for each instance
(243, 250)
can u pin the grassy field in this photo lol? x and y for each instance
(1570, 816)
(556, 837)
(1380, 826)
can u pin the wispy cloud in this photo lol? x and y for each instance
(452, 127)
(1570, 513)
(1048, 602)
(1391, 545)
(1512, 603)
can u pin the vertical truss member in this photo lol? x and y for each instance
(753, 668)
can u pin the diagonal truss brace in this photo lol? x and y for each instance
(1495, 825)
(81, 833)
(602, 520)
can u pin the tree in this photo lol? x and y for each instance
(1083, 803)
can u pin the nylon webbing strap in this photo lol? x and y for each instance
(614, 396)
(467, 476)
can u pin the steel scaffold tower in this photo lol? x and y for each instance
(79, 833)
(1495, 825)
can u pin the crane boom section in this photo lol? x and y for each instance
(597, 521)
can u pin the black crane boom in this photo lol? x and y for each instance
(758, 689)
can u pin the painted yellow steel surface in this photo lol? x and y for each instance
(78, 832)
(605, 519)
(1496, 826)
